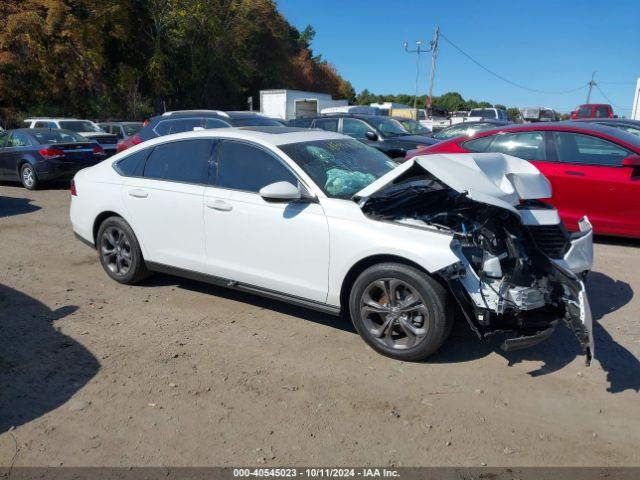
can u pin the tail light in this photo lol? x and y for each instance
(74, 193)
(98, 150)
(51, 153)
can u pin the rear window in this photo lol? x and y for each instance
(79, 126)
(132, 165)
(132, 128)
(584, 112)
(58, 136)
(478, 145)
(602, 112)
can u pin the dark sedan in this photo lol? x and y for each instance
(467, 129)
(36, 155)
(626, 124)
(383, 133)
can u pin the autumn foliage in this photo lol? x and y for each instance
(131, 58)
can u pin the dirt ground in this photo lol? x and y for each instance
(179, 373)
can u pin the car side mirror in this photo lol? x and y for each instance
(280, 192)
(371, 136)
(632, 161)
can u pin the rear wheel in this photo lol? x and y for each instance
(28, 177)
(400, 311)
(119, 252)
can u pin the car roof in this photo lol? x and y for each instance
(271, 135)
(55, 119)
(628, 121)
(566, 126)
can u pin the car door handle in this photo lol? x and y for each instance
(137, 193)
(220, 205)
(573, 172)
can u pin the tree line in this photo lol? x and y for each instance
(129, 59)
(450, 102)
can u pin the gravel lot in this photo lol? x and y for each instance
(179, 373)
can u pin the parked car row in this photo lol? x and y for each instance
(383, 133)
(24, 155)
(35, 155)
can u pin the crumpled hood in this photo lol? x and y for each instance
(491, 178)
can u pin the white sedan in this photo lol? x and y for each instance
(323, 221)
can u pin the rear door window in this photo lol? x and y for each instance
(185, 124)
(330, 124)
(19, 139)
(245, 167)
(214, 123)
(3, 138)
(588, 150)
(185, 161)
(525, 145)
(355, 128)
(478, 145)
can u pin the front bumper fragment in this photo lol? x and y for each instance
(579, 256)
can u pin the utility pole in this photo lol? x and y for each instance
(417, 51)
(434, 54)
(591, 84)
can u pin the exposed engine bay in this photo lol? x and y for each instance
(504, 282)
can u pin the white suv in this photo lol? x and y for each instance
(321, 220)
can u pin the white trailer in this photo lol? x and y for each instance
(635, 112)
(288, 104)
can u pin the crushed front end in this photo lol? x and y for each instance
(505, 281)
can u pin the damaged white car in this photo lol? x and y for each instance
(322, 221)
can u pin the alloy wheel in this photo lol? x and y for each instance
(115, 250)
(394, 313)
(28, 177)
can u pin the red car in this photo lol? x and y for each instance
(592, 110)
(594, 170)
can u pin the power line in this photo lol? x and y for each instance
(609, 100)
(617, 83)
(497, 75)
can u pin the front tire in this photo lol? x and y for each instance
(119, 252)
(400, 311)
(28, 177)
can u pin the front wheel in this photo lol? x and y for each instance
(400, 311)
(119, 252)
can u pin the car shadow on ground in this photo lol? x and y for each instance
(50, 185)
(10, 206)
(618, 241)
(40, 368)
(321, 318)
(606, 295)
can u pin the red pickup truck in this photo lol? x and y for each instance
(592, 110)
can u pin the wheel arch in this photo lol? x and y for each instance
(362, 264)
(98, 221)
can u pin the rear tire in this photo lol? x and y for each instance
(28, 177)
(400, 311)
(119, 252)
